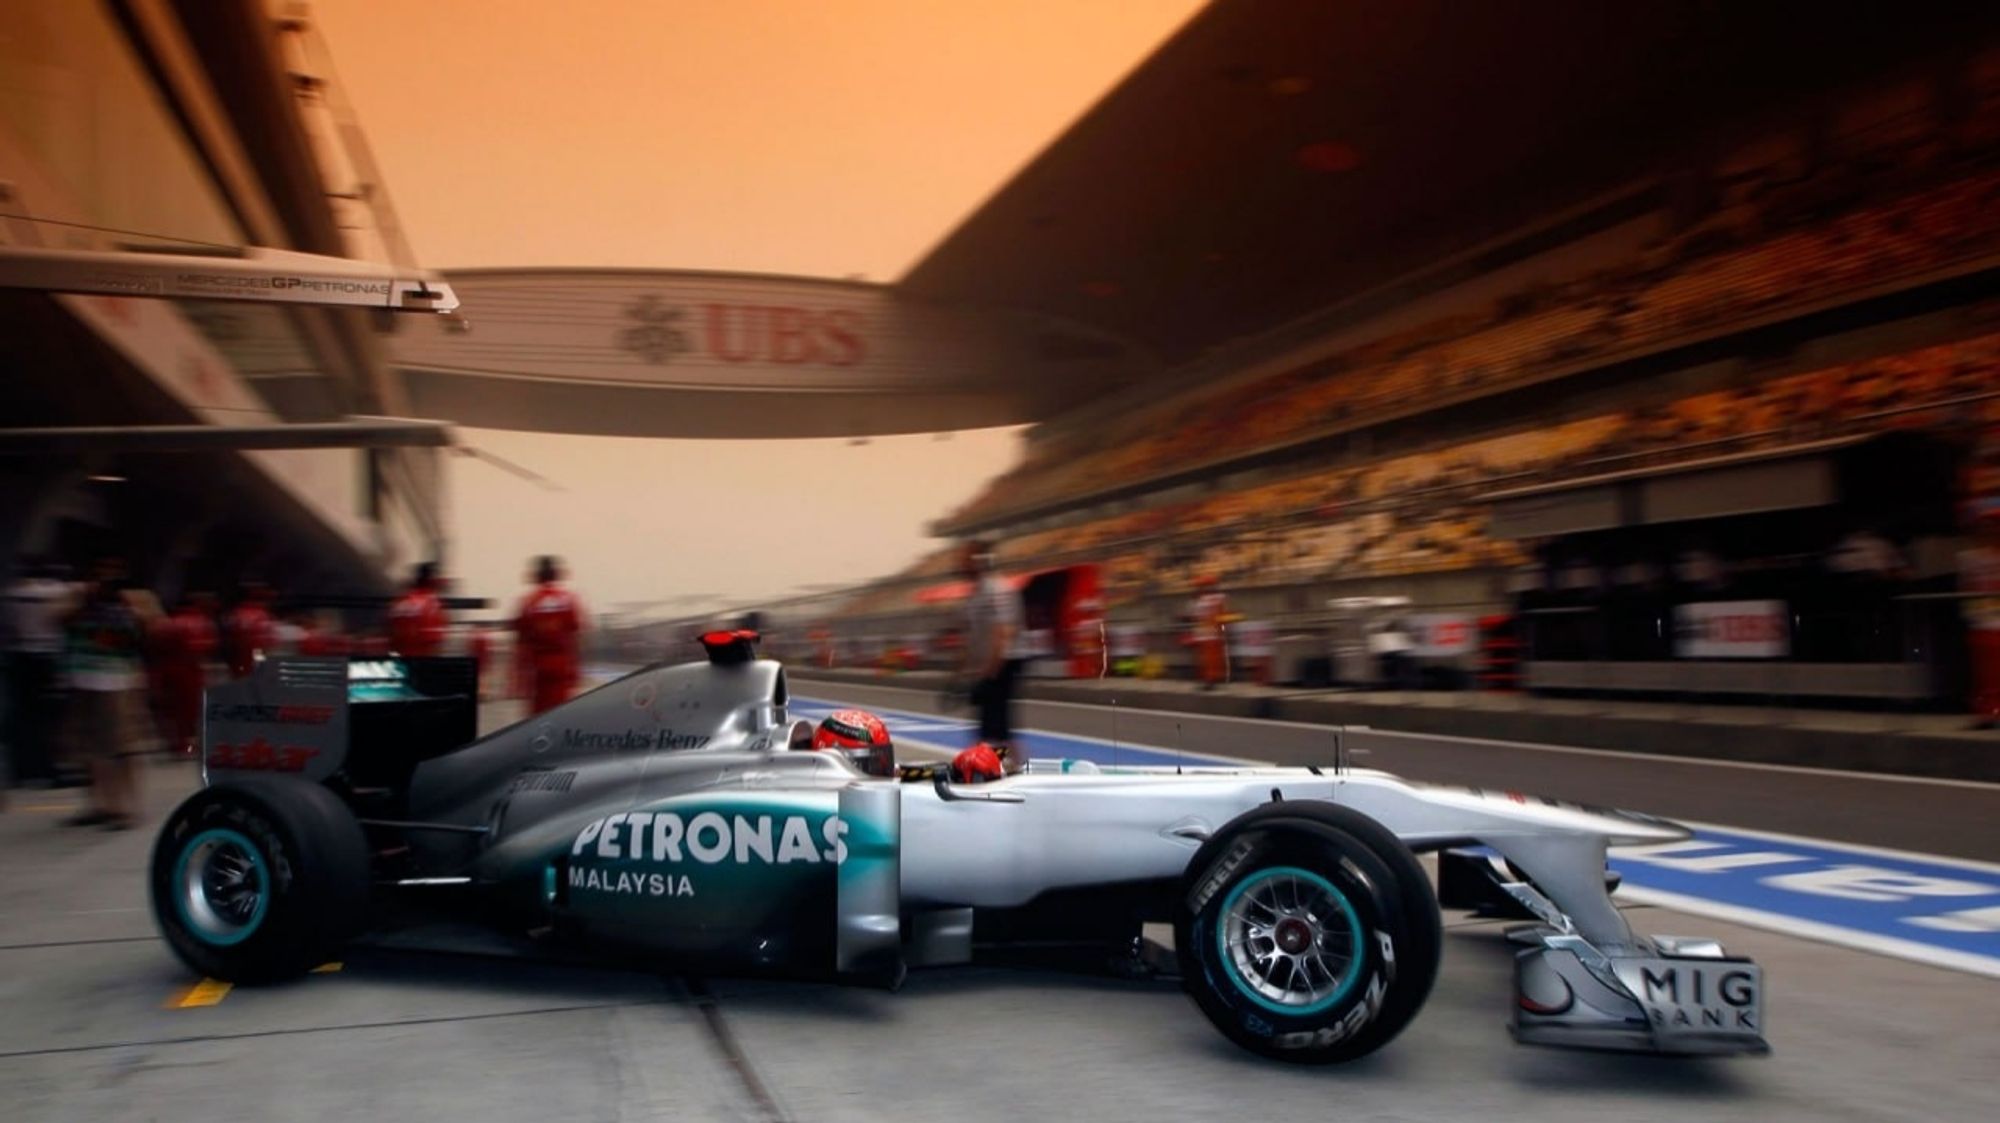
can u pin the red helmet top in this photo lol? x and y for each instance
(861, 737)
(851, 729)
(976, 765)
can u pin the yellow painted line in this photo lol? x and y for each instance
(328, 968)
(207, 992)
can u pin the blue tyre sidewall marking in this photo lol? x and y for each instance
(1353, 972)
(242, 841)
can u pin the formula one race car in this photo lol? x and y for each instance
(677, 811)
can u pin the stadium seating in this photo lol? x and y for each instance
(1904, 204)
(1416, 513)
(1770, 251)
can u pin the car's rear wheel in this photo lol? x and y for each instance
(259, 881)
(1307, 932)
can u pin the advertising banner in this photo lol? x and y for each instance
(1251, 639)
(1437, 635)
(1740, 629)
(1128, 641)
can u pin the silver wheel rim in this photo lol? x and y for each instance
(1291, 940)
(222, 887)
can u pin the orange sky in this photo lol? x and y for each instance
(826, 137)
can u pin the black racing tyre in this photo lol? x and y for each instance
(260, 880)
(1307, 932)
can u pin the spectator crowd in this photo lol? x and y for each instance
(1778, 240)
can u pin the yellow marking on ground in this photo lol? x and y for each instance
(207, 992)
(328, 968)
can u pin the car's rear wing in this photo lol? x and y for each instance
(301, 715)
(288, 717)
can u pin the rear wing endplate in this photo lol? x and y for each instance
(288, 718)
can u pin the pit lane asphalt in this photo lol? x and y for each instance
(86, 1032)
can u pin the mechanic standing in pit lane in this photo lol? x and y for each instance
(187, 640)
(249, 629)
(1210, 642)
(548, 633)
(417, 620)
(103, 660)
(993, 651)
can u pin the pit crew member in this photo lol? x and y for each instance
(417, 618)
(549, 632)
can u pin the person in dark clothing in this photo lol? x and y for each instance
(103, 659)
(993, 651)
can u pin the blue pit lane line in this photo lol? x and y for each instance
(1928, 909)
(1941, 911)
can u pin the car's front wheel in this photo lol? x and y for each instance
(1307, 932)
(259, 881)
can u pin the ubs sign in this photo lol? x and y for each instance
(657, 333)
(656, 353)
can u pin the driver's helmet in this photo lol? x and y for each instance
(860, 737)
(976, 765)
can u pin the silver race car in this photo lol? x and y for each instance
(677, 812)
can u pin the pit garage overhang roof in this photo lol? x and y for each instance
(623, 352)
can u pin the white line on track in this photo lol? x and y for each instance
(1972, 865)
(1783, 925)
(1617, 754)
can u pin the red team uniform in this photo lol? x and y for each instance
(417, 623)
(250, 630)
(318, 642)
(182, 645)
(548, 630)
(1211, 651)
(191, 643)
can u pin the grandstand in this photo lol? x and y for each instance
(1826, 278)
